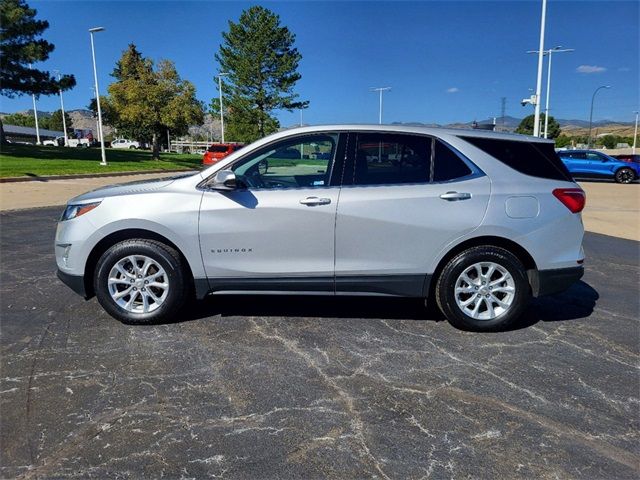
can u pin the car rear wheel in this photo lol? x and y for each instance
(625, 175)
(132, 147)
(141, 282)
(483, 289)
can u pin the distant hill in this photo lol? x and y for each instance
(571, 128)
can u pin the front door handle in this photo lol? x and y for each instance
(313, 201)
(454, 196)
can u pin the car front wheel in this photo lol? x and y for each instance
(483, 288)
(625, 175)
(141, 282)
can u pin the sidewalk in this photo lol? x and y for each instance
(612, 209)
(45, 192)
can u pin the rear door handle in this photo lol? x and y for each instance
(454, 196)
(313, 201)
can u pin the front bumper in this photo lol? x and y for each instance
(74, 282)
(547, 282)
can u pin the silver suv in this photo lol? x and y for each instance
(478, 221)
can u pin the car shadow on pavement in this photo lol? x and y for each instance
(576, 303)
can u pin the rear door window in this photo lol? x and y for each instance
(391, 159)
(447, 164)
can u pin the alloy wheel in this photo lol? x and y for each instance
(138, 284)
(485, 290)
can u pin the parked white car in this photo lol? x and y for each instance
(124, 143)
(54, 142)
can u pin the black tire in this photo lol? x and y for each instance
(132, 147)
(168, 258)
(625, 175)
(446, 284)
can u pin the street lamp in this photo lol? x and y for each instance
(536, 120)
(635, 134)
(591, 114)
(95, 77)
(550, 52)
(381, 90)
(220, 75)
(64, 120)
(35, 114)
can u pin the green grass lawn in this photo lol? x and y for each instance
(32, 160)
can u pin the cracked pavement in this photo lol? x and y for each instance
(313, 387)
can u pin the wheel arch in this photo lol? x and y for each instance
(620, 167)
(118, 236)
(518, 250)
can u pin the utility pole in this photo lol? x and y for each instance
(64, 120)
(536, 119)
(503, 109)
(380, 90)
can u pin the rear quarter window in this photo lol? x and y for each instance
(536, 159)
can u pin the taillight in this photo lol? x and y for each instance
(572, 198)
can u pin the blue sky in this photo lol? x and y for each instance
(446, 61)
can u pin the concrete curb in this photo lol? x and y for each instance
(88, 175)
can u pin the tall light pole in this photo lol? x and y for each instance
(550, 53)
(380, 90)
(536, 118)
(635, 134)
(220, 75)
(64, 120)
(95, 77)
(593, 97)
(93, 92)
(35, 115)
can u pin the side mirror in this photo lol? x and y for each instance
(224, 180)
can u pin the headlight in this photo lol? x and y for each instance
(73, 211)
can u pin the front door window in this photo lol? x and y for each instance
(300, 163)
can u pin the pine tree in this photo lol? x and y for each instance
(259, 56)
(21, 46)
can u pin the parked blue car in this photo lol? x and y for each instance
(592, 164)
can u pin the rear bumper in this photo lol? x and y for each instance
(74, 282)
(547, 282)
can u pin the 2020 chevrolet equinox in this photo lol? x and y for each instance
(478, 221)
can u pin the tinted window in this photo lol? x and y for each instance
(218, 148)
(304, 162)
(596, 157)
(391, 159)
(574, 155)
(447, 164)
(537, 159)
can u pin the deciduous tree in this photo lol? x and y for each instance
(146, 100)
(259, 56)
(526, 126)
(55, 121)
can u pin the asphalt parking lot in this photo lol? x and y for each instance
(300, 387)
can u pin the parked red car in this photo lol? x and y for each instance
(218, 151)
